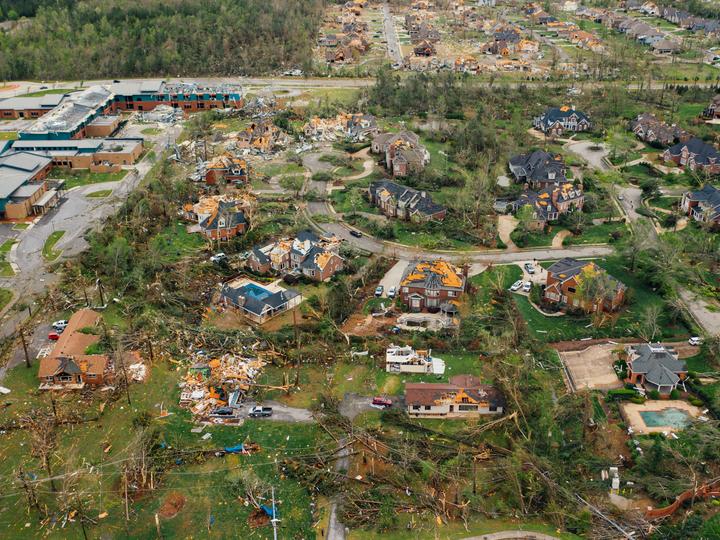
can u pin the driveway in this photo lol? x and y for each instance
(506, 225)
(591, 368)
(394, 275)
(698, 307)
(283, 413)
(592, 152)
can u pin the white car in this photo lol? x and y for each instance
(516, 286)
(391, 292)
(60, 325)
(218, 257)
(527, 286)
(695, 341)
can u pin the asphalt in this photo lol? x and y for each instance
(393, 46)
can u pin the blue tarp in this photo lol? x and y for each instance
(269, 511)
(235, 449)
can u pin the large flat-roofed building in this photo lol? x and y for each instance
(190, 97)
(29, 106)
(23, 190)
(69, 120)
(98, 155)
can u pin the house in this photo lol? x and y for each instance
(650, 129)
(402, 202)
(314, 256)
(353, 126)
(257, 302)
(262, 136)
(466, 64)
(462, 397)
(666, 46)
(424, 48)
(68, 366)
(407, 360)
(432, 285)
(702, 205)
(539, 169)
(225, 168)
(556, 120)
(712, 110)
(404, 154)
(694, 154)
(565, 277)
(655, 367)
(23, 189)
(225, 223)
(550, 203)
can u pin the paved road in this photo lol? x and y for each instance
(393, 46)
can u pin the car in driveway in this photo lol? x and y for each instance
(527, 286)
(260, 412)
(54, 336)
(356, 234)
(529, 268)
(695, 341)
(516, 286)
(60, 325)
(379, 291)
(391, 292)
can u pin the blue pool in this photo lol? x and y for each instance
(255, 291)
(670, 417)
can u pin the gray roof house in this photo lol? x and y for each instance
(694, 154)
(655, 366)
(397, 200)
(538, 168)
(257, 302)
(555, 120)
(702, 205)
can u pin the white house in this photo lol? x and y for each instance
(407, 360)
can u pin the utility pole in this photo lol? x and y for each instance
(81, 513)
(101, 291)
(24, 344)
(150, 350)
(121, 358)
(52, 402)
(274, 520)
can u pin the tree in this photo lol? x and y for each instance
(649, 326)
(292, 183)
(594, 287)
(355, 199)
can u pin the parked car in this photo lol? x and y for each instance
(527, 286)
(516, 286)
(356, 234)
(621, 198)
(218, 258)
(695, 341)
(223, 411)
(529, 268)
(54, 336)
(382, 402)
(379, 291)
(60, 325)
(391, 292)
(260, 412)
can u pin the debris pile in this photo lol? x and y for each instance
(213, 390)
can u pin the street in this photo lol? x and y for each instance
(393, 46)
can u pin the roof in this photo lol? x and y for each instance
(560, 114)
(77, 108)
(703, 153)
(660, 364)
(708, 198)
(433, 275)
(17, 169)
(569, 268)
(228, 209)
(255, 298)
(428, 394)
(72, 341)
(317, 258)
(538, 166)
(22, 103)
(406, 197)
(85, 363)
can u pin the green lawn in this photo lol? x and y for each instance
(151, 131)
(100, 194)
(483, 281)
(275, 169)
(20, 226)
(689, 111)
(535, 239)
(699, 363)
(5, 297)
(84, 177)
(8, 135)
(666, 203)
(175, 242)
(7, 245)
(48, 252)
(597, 234)
(47, 91)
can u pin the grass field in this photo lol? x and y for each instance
(84, 177)
(48, 91)
(175, 242)
(100, 194)
(666, 203)
(8, 135)
(48, 251)
(5, 297)
(274, 169)
(596, 234)
(20, 226)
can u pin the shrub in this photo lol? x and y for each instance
(621, 394)
(654, 394)
(674, 394)
(696, 401)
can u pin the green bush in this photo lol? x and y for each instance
(621, 394)
(639, 400)
(696, 401)
(654, 394)
(674, 394)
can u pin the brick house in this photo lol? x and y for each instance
(702, 205)
(462, 397)
(432, 285)
(650, 129)
(403, 152)
(564, 278)
(550, 203)
(694, 154)
(402, 202)
(68, 365)
(228, 221)
(539, 169)
(226, 168)
(712, 110)
(655, 367)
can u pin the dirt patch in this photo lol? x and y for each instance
(592, 368)
(366, 325)
(258, 518)
(171, 506)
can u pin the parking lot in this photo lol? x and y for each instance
(592, 368)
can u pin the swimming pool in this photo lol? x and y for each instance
(671, 417)
(255, 291)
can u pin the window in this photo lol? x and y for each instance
(467, 407)
(416, 407)
(427, 407)
(571, 289)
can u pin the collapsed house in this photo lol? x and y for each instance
(351, 126)
(225, 168)
(213, 389)
(463, 396)
(261, 137)
(220, 217)
(407, 360)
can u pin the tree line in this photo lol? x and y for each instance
(115, 38)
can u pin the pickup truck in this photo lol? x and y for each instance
(260, 412)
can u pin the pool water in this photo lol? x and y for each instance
(255, 291)
(670, 417)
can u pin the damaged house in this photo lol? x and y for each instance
(404, 154)
(433, 286)
(219, 217)
(464, 396)
(550, 203)
(650, 129)
(257, 302)
(539, 169)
